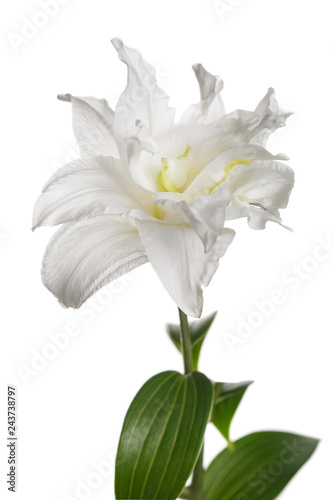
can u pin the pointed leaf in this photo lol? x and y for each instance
(174, 334)
(198, 331)
(258, 468)
(227, 398)
(162, 436)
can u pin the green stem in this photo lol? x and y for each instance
(186, 342)
(198, 479)
(195, 490)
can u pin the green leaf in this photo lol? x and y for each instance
(227, 398)
(162, 436)
(258, 468)
(198, 332)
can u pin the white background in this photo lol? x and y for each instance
(70, 411)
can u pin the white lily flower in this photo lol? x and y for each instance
(147, 189)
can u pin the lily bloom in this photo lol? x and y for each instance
(148, 189)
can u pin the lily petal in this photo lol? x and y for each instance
(259, 190)
(84, 256)
(213, 172)
(206, 214)
(85, 188)
(92, 125)
(273, 118)
(254, 127)
(142, 99)
(268, 183)
(178, 257)
(210, 108)
(257, 216)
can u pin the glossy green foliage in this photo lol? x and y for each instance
(258, 467)
(162, 436)
(227, 398)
